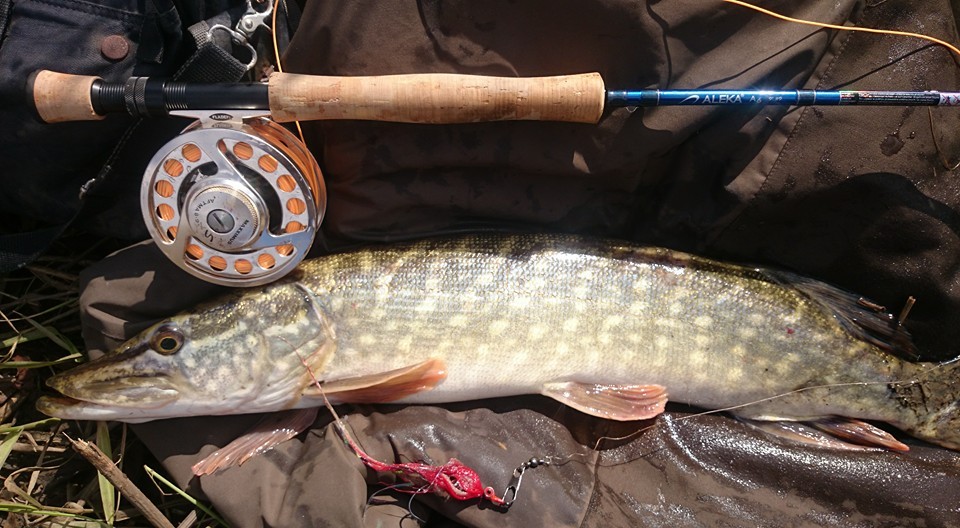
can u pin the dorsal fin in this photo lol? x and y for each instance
(863, 319)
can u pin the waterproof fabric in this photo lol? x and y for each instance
(682, 469)
(854, 196)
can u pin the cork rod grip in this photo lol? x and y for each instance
(60, 97)
(437, 98)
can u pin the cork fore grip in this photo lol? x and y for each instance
(437, 98)
(60, 97)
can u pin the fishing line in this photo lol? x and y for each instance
(510, 493)
(276, 54)
(342, 429)
(805, 22)
(505, 499)
(919, 378)
(453, 478)
(336, 417)
(397, 487)
(373, 501)
(410, 509)
(943, 160)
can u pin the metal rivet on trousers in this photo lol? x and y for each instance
(114, 47)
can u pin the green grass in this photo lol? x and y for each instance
(157, 477)
(44, 480)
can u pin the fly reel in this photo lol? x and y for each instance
(234, 201)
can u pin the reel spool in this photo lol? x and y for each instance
(234, 201)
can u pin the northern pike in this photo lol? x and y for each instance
(605, 327)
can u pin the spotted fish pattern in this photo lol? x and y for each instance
(606, 327)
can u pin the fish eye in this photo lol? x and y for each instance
(167, 341)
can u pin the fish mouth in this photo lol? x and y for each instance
(67, 408)
(115, 381)
(125, 399)
(59, 406)
(125, 392)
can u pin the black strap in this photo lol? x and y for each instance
(210, 62)
(5, 7)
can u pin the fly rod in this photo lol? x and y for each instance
(415, 98)
(237, 200)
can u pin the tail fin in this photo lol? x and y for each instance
(932, 403)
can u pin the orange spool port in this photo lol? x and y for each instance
(286, 183)
(191, 152)
(172, 233)
(268, 163)
(194, 251)
(243, 266)
(243, 150)
(173, 167)
(266, 261)
(286, 249)
(296, 206)
(164, 188)
(297, 152)
(165, 212)
(294, 227)
(218, 263)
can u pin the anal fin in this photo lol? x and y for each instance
(613, 402)
(859, 433)
(269, 432)
(383, 387)
(832, 433)
(802, 433)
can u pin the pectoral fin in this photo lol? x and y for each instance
(383, 387)
(613, 402)
(269, 432)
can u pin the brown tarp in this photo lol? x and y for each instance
(854, 196)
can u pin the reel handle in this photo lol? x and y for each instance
(437, 98)
(433, 98)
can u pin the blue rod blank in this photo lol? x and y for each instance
(621, 98)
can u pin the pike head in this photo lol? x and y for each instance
(239, 354)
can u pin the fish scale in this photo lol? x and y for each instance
(600, 325)
(484, 286)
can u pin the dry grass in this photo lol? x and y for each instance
(45, 481)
